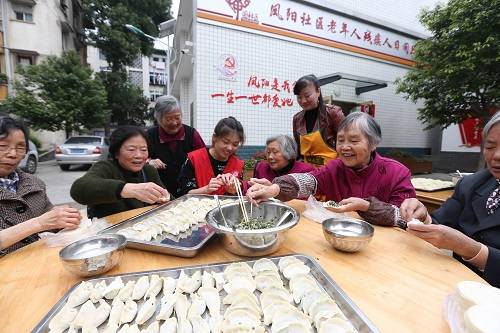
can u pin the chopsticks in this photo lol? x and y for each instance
(240, 199)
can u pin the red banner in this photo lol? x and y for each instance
(470, 132)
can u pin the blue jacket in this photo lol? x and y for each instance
(466, 211)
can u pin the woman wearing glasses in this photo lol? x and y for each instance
(125, 181)
(25, 209)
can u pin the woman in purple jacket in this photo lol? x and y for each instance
(360, 179)
(281, 155)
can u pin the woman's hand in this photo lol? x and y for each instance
(59, 217)
(157, 164)
(146, 192)
(258, 192)
(350, 205)
(262, 181)
(414, 209)
(213, 185)
(444, 237)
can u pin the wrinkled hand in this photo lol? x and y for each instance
(258, 192)
(414, 209)
(157, 164)
(262, 181)
(146, 192)
(213, 185)
(350, 205)
(59, 217)
(444, 237)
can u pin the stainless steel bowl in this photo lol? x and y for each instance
(93, 255)
(347, 234)
(455, 177)
(252, 243)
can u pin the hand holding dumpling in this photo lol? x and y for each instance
(146, 192)
(59, 217)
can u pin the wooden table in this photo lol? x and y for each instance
(399, 281)
(433, 200)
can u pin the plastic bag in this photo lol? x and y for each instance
(85, 229)
(317, 213)
(454, 314)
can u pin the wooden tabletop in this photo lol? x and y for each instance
(436, 197)
(399, 281)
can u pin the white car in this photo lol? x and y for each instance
(84, 149)
(30, 162)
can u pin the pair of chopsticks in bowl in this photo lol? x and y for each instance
(241, 199)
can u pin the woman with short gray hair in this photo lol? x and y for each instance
(281, 155)
(468, 223)
(171, 141)
(359, 179)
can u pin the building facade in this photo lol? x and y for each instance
(246, 58)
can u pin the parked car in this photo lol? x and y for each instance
(30, 162)
(83, 149)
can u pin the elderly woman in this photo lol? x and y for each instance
(125, 182)
(281, 155)
(25, 209)
(360, 179)
(171, 141)
(469, 222)
(211, 170)
(315, 127)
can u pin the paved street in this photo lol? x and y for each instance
(58, 182)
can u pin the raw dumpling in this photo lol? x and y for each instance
(169, 326)
(116, 311)
(154, 327)
(85, 315)
(114, 288)
(129, 311)
(146, 311)
(155, 286)
(199, 324)
(284, 262)
(101, 313)
(169, 285)
(140, 288)
(207, 280)
(126, 291)
(166, 307)
(212, 299)
(264, 264)
(294, 269)
(98, 291)
(62, 319)
(181, 307)
(80, 295)
(197, 307)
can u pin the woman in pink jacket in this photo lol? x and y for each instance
(360, 179)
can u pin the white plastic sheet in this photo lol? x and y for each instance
(317, 213)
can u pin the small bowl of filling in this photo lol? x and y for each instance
(260, 234)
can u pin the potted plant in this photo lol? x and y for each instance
(249, 165)
(416, 165)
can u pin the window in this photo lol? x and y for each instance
(24, 60)
(24, 16)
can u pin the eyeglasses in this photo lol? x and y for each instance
(20, 150)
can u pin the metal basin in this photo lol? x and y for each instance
(93, 255)
(256, 242)
(347, 234)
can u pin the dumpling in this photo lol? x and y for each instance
(187, 284)
(199, 324)
(129, 311)
(98, 291)
(181, 306)
(212, 299)
(62, 319)
(155, 286)
(166, 307)
(85, 315)
(126, 292)
(140, 288)
(285, 318)
(207, 280)
(154, 327)
(146, 311)
(336, 325)
(294, 269)
(264, 264)
(101, 313)
(116, 311)
(184, 326)
(285, 261)
(80, 295)
(169, 285)
(197, 307)
(114, 288)
(169, 326)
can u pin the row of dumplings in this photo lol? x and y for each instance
(173, 221)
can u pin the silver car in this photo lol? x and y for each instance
(30, 162)
(82, 150)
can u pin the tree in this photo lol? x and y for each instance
(59, 94)
(457, 69)
(129, 105)
(106, 21)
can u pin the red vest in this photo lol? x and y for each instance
(203, 170)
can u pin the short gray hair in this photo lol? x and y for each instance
(495, 120)
(287, 145)
(366, 124)
(165, 104)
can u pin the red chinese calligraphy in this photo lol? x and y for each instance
(291, 15)
(332, 26)
(240, 97)
(305, 19)
(355, 33)
(275, 11)
(406, 48)
(253, 82)
(396, 45)
(264, 83)
(230, 96)
(266, 99)
(386, 42)
(344, 30)
(287, 101)
(255, 99)
(276, 101)
(319, 23)
(275, 85)
(377, 40)
(367, 37)
(237, 6)
(218, 95)
(286, 86)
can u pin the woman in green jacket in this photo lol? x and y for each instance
(125, 181)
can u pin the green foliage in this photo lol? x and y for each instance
(106, 21)
(250, 163)
(3, 78)
(35, 140)
(457, 69)
(126, 101)
(59, 94)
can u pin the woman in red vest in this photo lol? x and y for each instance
(210, 170)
